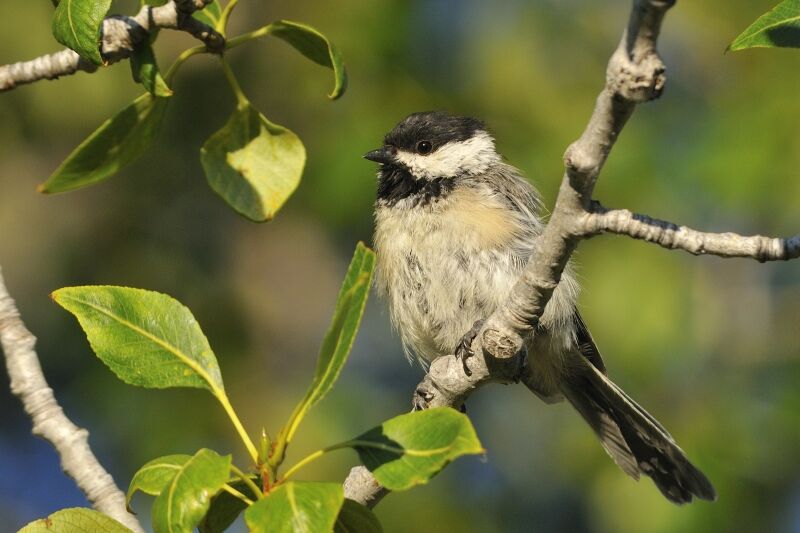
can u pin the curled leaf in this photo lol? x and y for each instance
(315, 46)
(77, 23)
(253, 164)
(410, 449)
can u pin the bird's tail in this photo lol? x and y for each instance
(632, 437)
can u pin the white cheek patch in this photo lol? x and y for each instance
(472, 156)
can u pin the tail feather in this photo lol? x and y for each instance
(633, 438)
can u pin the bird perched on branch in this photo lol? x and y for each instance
(455, 228)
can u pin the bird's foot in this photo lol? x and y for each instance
(422, 399)
(464, 348)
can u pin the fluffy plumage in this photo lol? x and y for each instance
(454, 227)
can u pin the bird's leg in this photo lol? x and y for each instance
(464, 348)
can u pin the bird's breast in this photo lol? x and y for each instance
(445, 265)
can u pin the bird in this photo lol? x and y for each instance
(455, 226)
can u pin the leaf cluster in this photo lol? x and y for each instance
(150, 340)
(252, 163)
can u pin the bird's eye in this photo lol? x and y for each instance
(424, 147)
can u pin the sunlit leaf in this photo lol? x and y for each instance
(296, 507)
(154, 475)
(410, 449)
(316, 47)
(75, 520)
(355, 518)
(253, 164)
(147, 338)
(342, 332)
(145, 71)
(225, 508)
(77, 23)
(185, 500)
(777, 28)
(210, 14)
(116, 143)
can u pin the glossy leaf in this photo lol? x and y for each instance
(355, 518)
(145, 71)
(341, 333)
(146, 338)
(155, 475)
(316, 47)
(210, 14)
(253, 164)
(777, 28)
(296, 507)
(226, 508)
(77, 23)
(410, 449)
(115, 144)
(75, 520)
(185, 500)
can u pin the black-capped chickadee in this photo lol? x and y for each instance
(454, 228)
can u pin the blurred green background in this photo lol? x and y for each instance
(710, 346)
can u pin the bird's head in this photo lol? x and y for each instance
(431, 150)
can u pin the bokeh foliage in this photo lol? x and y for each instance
(709, 346)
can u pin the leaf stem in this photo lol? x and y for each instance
(236, 494)
(316, 455)
(186, 54)
(249, 36)
(226, 404)
(247, 481)
(241, 99)
(223, 19)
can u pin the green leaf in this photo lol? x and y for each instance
(410, 449)
(183, 503)
(355, 518)
(340, 336)
(210, 14)
(225, 508)
(146, 338)
(316, 47)
(777, 28)
(145, 70)
(116, 143)
(296, 507)
(77, 23)
(75, 520)
(253, 164)
(154, 475)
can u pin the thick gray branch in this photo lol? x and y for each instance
(120, 36)
(50, 422)
(635, 74)
(672, 236)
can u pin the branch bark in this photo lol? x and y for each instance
(120, 36)
(635, 74)
(50, 422)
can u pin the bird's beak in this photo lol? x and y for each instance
(383, 155)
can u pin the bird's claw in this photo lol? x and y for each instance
(422, 399)
(464, 348)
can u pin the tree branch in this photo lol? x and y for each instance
(120, 36)
(50, 422)
(669, 235)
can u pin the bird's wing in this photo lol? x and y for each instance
(586, 344)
